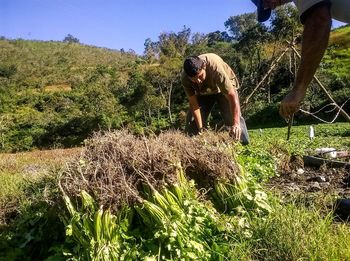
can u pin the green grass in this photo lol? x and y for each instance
(301, 229)
(335, 135)
(340, 37)
(29, 225)
(337, 57)
(269, 149)
(293, 232)
(26, 178)
(11, 185)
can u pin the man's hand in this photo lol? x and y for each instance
(235, 132)
(291, 103)
(200, 131)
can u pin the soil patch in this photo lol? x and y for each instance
(307, 179)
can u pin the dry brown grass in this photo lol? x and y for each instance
(58, 88)
(114, 165)
(340, 38)
(38, 159)
(20, 173)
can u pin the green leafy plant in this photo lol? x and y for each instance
(97, 234)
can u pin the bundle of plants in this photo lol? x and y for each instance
(114, 165)
(168, 197)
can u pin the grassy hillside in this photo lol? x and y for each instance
(57, 92)
(36, 64)
(341, 37)
(337, 58)
(39, 64)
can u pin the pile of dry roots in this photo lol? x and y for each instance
(114, 166)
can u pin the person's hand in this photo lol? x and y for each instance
(200, 131)
(235, 131)
(291, 103)
(271, 3)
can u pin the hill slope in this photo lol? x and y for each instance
(337, 58)
(36, 64)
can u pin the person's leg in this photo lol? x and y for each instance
(206, 103)
(225, 109)
(226, 113)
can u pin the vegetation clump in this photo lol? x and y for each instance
(166, 197)
(113, 166)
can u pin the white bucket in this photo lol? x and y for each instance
(327, 152)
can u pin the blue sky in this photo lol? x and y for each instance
(114, 24)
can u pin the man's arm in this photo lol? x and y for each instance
(315, 40)
(196, 112)
(235, 130)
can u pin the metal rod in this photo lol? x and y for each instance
(290, 123)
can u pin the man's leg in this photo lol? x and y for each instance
(206, 103)
(244, 134)
(226, 113)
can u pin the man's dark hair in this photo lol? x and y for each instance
(192, 65)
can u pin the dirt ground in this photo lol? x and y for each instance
(325, 185)
(304, 175)
(308, 179)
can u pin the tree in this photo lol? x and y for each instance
(182, 39)
(240, 23)
(163, 78)
(70, 39)
(218, 36)
(285, 22)
(250, 44)
(198, 45)
(199, 38)
(174, 44)
(151, 50)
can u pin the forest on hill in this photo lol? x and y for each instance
(56, 94)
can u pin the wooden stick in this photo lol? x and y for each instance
(342, 112)
(273, 65)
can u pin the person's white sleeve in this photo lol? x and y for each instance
(340, 9)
